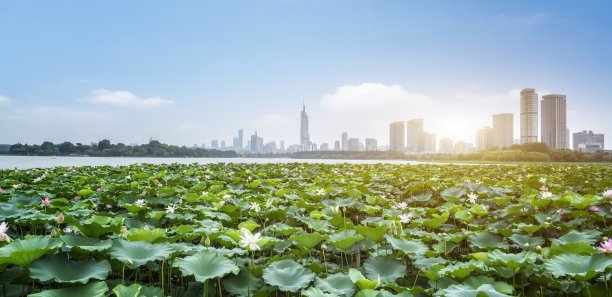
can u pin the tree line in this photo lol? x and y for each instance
(105, 148)
(535, 152)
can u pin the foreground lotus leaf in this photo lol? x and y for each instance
(93, 289)
(486, 240)
(338, 283)
(344, 239)
(362, 282)
(23, 251)
(578, 267)
(387, 269)
(588, 236)
(512, 260)
(288, 275)
(316, 292)
(410, 247)
(131, 291)
(73, 241)
(467, 291)
(308, 240)
(137, 253)
(206, 265)
(239, 284)
(376, 234)
(61, 269)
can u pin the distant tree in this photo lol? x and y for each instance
(104, 144)
(66, 148)
(538, 147)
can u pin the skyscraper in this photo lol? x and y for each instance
(371, 144)
(583, 140)
(529, 116)
(503, 129)
(484, 138)
(446, 146)
(345, 144)
(429, 142)
(304, 136)
(554, 128)
(396, 136)
(414, 135)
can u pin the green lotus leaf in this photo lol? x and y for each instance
(239, 284)
(436, 220)
(428, 262)
(362, 282)
(369, 293)
(148, 235)
(460, 269)
(388, 270)
(476, 281)
(464, 215)
(486, 240)
(131, 291)
(249, 225)
(345, 239)
(61, 269)
(580, 248)
(512, 260)
(453, 194)
(467, 291)
(588, 236)
(529, 227)
(577, 266)
(524, 241)
(93, 289)
(376, 234)
(338, 283)
(285, 229)
(316, 292)
(96, 226)
(308, 240)
(23, 251)
(410, 247)
(147, 291)
(288, 275)
(137, 253)
(206, 265)
(580, 201)
(76, 241)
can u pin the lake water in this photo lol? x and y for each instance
(24, 162)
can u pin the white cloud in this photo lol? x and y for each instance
(125, 98)
(4, 100)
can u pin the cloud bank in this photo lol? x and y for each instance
(125, 98)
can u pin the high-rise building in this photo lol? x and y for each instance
(304, 136)
(529, 116)
(336, 145)
(371, 144)
(446, 146)
(345, 144)
(397, 136)
(240, 140)
(429, 142)
(282, 145)
(414, 135)
(354, 145)
(484, 138)
(324, 147)
(503, 129)
(554, 128)
(256, 143)
(462, 147)
(583, 141)
(214, 144)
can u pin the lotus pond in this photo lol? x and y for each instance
(312, 230)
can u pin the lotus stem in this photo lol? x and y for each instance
(220, 291)
(161, 276)
(123, 275)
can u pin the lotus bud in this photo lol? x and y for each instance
(605, 238)
(207, 241)
(539, 248)
(323, 246)
(53, 232)
(344, 209)
(535, 207)
(123, 229)
(146, 227)
(274, 227)
(60, 218)
(548, 218)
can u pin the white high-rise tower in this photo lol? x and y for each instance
(529, 116)
(304, 136)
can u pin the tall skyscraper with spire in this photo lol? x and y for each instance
(304, 136)
(529, 116)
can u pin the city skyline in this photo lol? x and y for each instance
(210, 69)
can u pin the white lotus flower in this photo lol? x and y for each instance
(255, 206)
(3, 228)
(247, 239)
(542, 180)
(140, 202)
(402, 205)
(320, 192)
(405, 218)
(170, 209)
(472, 197)
(546, 194)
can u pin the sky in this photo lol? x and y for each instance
(188, 72)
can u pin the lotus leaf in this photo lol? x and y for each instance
(93, 289)
(388, 270)
(23, 251)
(137, 253)
(76, 241)
(308, 240)
(467, 291)
(61, 269)
(316, 292)
(577, 266)
(362, 282)
(131, 291)
(338, 283)
(239, 284)
(288, 275)
(206, 265)
(344, 239)
(512, 260)
(409, 247)
(486, 240)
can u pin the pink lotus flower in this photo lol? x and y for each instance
(518, 179)
(46, 201)
(60, 218)
(1, 190)
(560, 211)
(98, 190)
(77, 197)
(606, 246)
(593, 208)
(467, 181)
(67, 230)
(543, 188)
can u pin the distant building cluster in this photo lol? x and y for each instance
(410, 137)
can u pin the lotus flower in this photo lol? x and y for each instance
(60, 218)
(607, 194)
(140, 202)
(1, 190)
(227, 196)
(405, 218)
(170, 209)
(46, 201)
(247, 239)
(543, 188)
(593, 208)
(320, 192)
(542, 180)
(255, 206)
(546, 194)
(77, 197)
(606, 246)
(560, 211)
(472, 197)
(402, 205)
(3, 228)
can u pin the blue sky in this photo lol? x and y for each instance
(191, 71)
